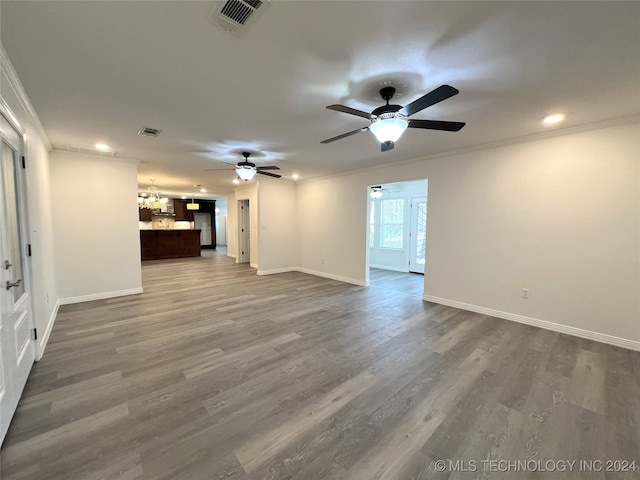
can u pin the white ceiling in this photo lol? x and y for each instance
(98, 71)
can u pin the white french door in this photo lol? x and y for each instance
(418, 245)
(17, 347)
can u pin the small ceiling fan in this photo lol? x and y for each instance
(247, 170)
(388, 122)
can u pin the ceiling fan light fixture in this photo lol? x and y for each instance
(376, 192)
(246, 172)
(388, 129)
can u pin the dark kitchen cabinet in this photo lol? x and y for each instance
(159, 244)
(180, 209)
(145, 214)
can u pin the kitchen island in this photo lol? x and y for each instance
(160, 244)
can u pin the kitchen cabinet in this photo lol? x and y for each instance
(180, 209)
(159, 244)
(145, 214)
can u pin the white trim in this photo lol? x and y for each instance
(555, 327)
(47, 333)
(99, 296)
(7, 67)
(626, 120)
(353, 281)
(254, 265)
(8, 114)
(133, 161)
(277, 270)
(231, 255)
(388, 267)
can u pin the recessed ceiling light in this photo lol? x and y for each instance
(183, 197)
(295, 176)
(203, 190)
(102, 146)
(236, 181)
(555, 118)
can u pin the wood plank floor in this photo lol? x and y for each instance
(399, 282)
(216, 373)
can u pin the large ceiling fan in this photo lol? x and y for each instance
(246, 170)
(388, 122)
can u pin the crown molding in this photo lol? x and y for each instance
(58, 151)
(613, 122)
(14, 81)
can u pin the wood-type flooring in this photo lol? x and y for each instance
(217, 373)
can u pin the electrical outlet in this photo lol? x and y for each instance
(322, 261)
(525, 293)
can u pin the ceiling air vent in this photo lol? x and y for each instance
(149, 132)
(89, 151)
(234, 15)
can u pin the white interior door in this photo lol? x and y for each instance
(202, 222)
(17, 347)
(221, 229)
(244, 232)
(418, 245)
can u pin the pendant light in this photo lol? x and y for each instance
(193, 205)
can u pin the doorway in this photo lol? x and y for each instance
(202, 222)
(397, 236)
(244, 232)
(17, 345)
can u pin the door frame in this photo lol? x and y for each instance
(413, 235)
(16, 316)
(244, 231)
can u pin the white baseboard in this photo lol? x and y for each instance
(231, 255)
(277, 270)
(47, 333)
(100, 296)
(254, 265)
(387, 267)
(535, 322)
(353, 281)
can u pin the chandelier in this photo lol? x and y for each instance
(151, 198)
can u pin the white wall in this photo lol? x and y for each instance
(44, 288)
(232, 226)
(278, 236)
(558, 215)
(97, 240)
(332, 226)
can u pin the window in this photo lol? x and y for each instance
(392, 223)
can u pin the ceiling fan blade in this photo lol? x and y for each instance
(269, 167)
(352, 111)
(435, 96)
(386, 146)
(269, 174)
(348, 134)
(437, 125)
